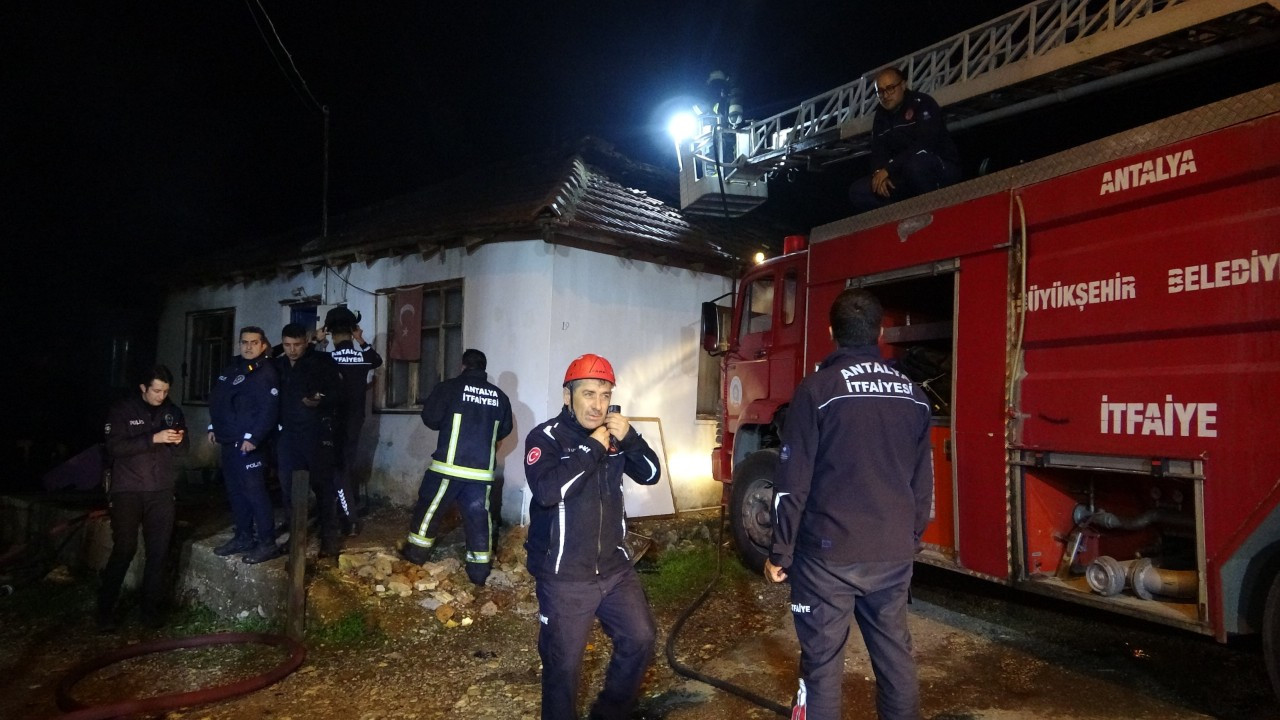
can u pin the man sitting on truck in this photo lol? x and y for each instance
(910, 148)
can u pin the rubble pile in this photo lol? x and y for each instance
(441, 586)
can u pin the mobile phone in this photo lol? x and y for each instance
(613, 441)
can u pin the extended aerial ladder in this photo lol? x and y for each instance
(1045, 52)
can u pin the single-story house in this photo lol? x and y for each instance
(533, 261)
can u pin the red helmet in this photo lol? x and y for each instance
(589, 367)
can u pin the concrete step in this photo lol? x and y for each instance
(230, 587)
(235, 590)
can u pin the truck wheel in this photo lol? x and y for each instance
(1271, 634)
(751, 508)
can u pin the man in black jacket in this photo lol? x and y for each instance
(144, 434)
(243, 408)
(471, 415)
(576, 550)
(309, 388)
(911, 152)
(853, 496)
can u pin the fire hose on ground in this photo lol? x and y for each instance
(75, 710)
(689, 672)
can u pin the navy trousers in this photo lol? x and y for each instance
(153, 512)
(436, 493)
(245, 475)
(917, 174)
(823, 597)
(307, 451)
(344, 476)
(566, 609)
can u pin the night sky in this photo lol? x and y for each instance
(137, 133)
(163, 125)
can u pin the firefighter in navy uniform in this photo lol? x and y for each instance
(575, 463)
(472, 415)
(911, 152)
(355, 358)
(144, 433)
(243, 407)
(309, 388)
(852, 498)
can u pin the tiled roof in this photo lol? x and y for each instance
(588, 197)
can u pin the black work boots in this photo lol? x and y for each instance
(234, 546)
(263, 553)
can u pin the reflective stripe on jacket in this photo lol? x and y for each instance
(472, 415)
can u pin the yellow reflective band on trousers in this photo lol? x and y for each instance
(462, 473)
(486, 555)
(420, 538)
(420, 541)
(447, 466)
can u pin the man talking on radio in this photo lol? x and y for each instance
(574, 466)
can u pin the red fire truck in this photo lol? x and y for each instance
(1099, 332)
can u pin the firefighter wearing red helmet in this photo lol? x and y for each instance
(574, 465)
(589, 366)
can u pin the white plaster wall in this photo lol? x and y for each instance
(645, 319)
(505, 291)
(531, 307)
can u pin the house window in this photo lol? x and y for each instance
(409, 382)
(121, 361)
(210, 343)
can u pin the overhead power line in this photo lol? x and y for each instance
(296, 82)
(299, 86)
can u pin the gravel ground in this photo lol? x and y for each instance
(372, 653)
(985, 653)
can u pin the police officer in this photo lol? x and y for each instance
(243, 407)
(144, 435)
(355, 358)
(575, 462)
(309, 388)
(472, 415)
(852, 499)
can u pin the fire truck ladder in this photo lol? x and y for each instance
(1045, 52)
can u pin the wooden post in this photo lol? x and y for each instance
(301, 491)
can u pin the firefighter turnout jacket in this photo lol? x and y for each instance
(138, 464)
(577, 522)
(856, 476)
(472, 415)
(244, 403)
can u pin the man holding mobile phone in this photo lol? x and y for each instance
(574, 467)
(144, 434)
(309, 386)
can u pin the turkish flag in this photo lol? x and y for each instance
(406, 325)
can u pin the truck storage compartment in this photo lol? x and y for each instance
(919, 321)
(918, 338)
(1122, 531)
